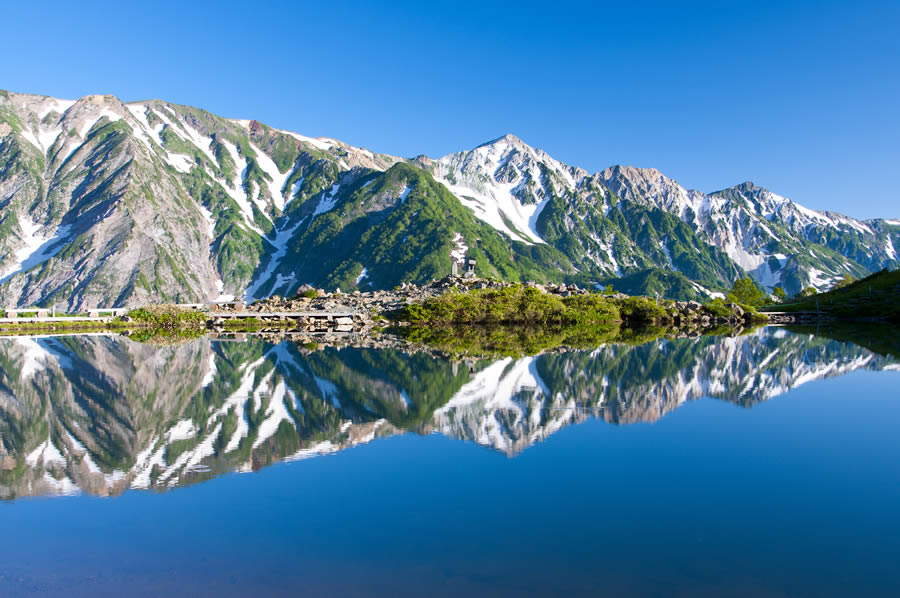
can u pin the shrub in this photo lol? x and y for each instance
(746, 292)
(168, 316)
(515, 304)
(641, 309)
(717, 307)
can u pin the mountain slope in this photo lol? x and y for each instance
(775, 240)
(107, 203)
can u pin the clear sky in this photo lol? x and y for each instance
(800, 97)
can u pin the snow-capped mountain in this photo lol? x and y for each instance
(507, 184)
(102, 414)
(108, 203)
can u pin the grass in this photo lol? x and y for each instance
(168, 316)
(718, 307)
(522, 305)
(874, 297)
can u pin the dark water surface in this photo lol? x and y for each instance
(763, 465)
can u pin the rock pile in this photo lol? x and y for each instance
(692, 314)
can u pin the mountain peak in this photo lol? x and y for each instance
(745, 187)
(509, 138)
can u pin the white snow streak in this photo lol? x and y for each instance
(36, 249)
(328, 200)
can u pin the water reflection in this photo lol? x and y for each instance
(102, 414)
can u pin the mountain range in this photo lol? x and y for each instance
(102, 414)
(106, 203)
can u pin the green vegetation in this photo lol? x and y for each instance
(168, 316)
(519, 304)
(746, 292)
(844, 281)
(407, 241)
(638, 235)
(873, 297)
(523, 305)
(656, 282)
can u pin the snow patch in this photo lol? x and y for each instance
(87, 126)
(183, 430)
(665, 250)
(328, 201)
(458, 253)
(55, 105)
(282, 237)
(47, 453)
(36, 249)
(235, 188)
(328, 390)
(188, 133)
(210, 371)
(180, 162)
(33, 359)
(319, 143)
(276, 413)
(497, 202)
(703, 290)
(405, 193)
(362, 275)
(279, 180)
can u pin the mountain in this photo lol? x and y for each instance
(102, 414)
(104, 203)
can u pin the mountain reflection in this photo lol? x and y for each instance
(102, 414)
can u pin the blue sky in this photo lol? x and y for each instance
(799, 97)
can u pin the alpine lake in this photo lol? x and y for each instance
(760, 464)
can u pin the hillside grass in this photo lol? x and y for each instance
(873, 297)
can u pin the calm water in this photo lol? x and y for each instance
(764, 465)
